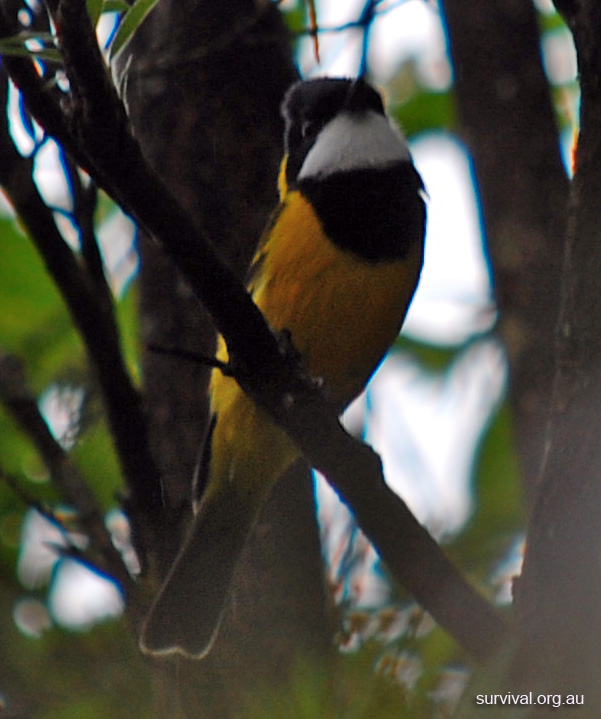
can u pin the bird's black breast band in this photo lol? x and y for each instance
(376, 213)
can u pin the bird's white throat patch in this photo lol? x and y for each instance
(354, 141)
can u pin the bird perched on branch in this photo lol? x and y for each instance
(336, 269)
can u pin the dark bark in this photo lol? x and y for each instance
(546, 271)
(508, 123)
(560, 589)
(203, 86)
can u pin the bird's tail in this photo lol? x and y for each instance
(188, 609)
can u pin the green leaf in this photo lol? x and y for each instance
(97, 7)
(129, 24)
(46, 38)
(34, 322)
(16, 453)
(499, 515)
(127, 314)
(115, 6)
(16, 47)
(550, 21)
(426, 111)
(94, 8)
(96, 459)
(433, 358)
(350, 688)
(295, 18)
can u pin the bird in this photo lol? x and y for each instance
(336, 269)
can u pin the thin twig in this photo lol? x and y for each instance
(69, 548)
(352, 24)
(84, 205)
(29, 500)
(90, 305)
(71, 486)
(189, 356)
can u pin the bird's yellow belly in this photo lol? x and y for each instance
(343, 314)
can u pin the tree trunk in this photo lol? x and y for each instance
(203, 82)
(560, 589)
(508, 124)
(546, 272)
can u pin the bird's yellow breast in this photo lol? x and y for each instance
(343, 314)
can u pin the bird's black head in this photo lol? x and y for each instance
(309, 105)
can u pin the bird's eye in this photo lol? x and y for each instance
(309, 128)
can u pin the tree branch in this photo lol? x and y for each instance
(89, 302)
(84, 205)
(414, 559)
(272, 380)
(71, 486)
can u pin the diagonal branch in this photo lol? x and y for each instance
(16, 397)
(91, 308)
(84, 204)
(274, 382)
